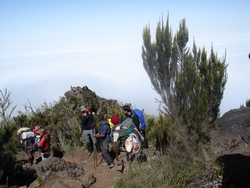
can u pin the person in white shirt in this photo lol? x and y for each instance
(119, 135)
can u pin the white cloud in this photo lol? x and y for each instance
(103, 50)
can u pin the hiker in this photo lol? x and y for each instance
(129, 113)
(44, 144)
(136, 120)
(119, 135)
(104, 134)
(88, 129)
(27, 140)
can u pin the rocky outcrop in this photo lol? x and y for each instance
(89, 97)
(66, 174)
(233, 133)
(230, 143)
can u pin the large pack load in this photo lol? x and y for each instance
(27, 137)
(133, 140)
(23, 129)
(127, 125)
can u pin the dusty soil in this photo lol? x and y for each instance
(103, 174)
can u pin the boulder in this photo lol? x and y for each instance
(233, 133)
(65, 174)
(230, 143)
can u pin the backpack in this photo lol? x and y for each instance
(127, 125)
(26, 138)
(140, 115)
(111, 125)
(23, 129)
(37, 138)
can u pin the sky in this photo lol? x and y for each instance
(48, 46)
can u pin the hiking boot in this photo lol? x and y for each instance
(111, 165)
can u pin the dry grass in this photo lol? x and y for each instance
(181, 167)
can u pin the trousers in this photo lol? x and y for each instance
(91, 141)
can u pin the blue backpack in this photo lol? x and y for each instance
(140, 115)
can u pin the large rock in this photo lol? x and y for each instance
(233, 134)
(230, 143)
(65, 173)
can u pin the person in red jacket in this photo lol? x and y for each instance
(44, 145)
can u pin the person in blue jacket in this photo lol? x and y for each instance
(104, 134)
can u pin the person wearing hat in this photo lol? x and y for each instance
(119, 135)
(105, 136)
(88, 128)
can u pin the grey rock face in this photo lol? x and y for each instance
(233, 134)
(65, 174)
(60, 167)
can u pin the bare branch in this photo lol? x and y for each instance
(5, 104)
(30, 107)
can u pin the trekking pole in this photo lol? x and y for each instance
(100, 161)
(95, 158)
(95, 152)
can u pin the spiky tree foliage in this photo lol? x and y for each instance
(190, 83)
(248, 102)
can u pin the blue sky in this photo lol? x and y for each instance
(48, 46)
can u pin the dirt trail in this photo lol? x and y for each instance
(103, 174)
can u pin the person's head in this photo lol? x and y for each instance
(126, 110)
(115, 120)
(83, 109)
(101, 117)
(47, 132)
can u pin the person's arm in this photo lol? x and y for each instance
(136, 120)
(99, 135)
(117, 145)
(116, 150)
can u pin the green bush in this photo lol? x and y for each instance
(172, 171)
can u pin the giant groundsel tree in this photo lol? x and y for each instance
(190, 83)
